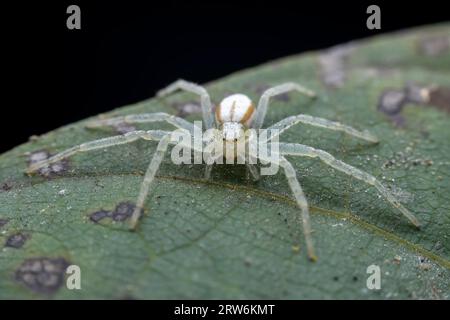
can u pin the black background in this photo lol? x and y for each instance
(127, 50)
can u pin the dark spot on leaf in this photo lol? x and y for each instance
(99, 215)
(122, 212)
(434, 46)
(335, 278)
(17, 240)
(187, 108)
(440, 97)
(3, 222)
(42, 275)
(333, 65)
(393, 101)
(6, 186)
(355, 278)
(55, 169)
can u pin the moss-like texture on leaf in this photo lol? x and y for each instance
(232, 238)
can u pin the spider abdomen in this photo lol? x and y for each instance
(236, 108)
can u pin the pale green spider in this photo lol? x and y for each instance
(233, 117)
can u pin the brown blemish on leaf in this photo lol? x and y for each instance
(392, 101)
(333, 65)
(440, 97)
(53, 170)
(42, 275)
(122, 212)
(187, 108)
(417, 94)
(17, 240)
(434, 46)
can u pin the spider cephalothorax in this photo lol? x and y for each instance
(234, 117)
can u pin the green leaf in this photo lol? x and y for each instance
(232, 238)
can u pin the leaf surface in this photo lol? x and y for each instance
(230, 237)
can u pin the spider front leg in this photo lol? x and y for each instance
(208, 170)
(300, 198)
(272, 92)
(285, 124)
(148, 179)
(95, 145)
(306, 151)
(208, 116)
(254, 172)
(143, 118)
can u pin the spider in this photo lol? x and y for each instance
(232, 118)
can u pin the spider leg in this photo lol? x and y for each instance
(148, 179)
(285, 124)
(254, 172)
(272, 92)
(97, 144)
(300, 198)
(143, 118)
(208, 116)
(208, 170)
(306, 151)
